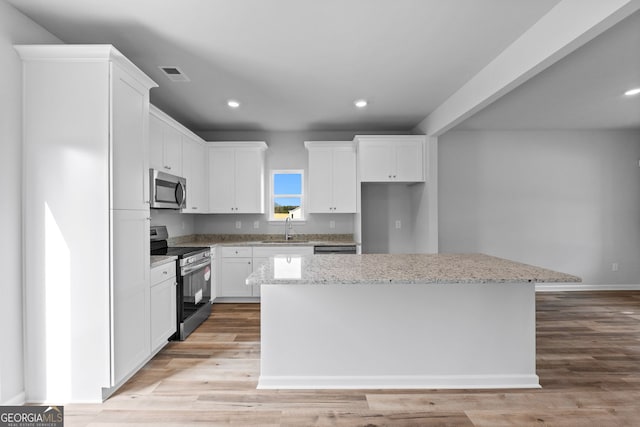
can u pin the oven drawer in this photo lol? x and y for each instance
(237, 251)
(163, 272)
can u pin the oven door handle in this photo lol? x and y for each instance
(188, 269)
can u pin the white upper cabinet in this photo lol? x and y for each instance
(236, 177)
(332, 177)
(130, 154)
(165, 141)
(194, 169)
(391, 158)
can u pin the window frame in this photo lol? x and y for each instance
(272, 195)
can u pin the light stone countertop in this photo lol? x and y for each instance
(401, 269)
(262, 240)
(157, 260)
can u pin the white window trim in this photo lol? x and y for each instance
(272, 173)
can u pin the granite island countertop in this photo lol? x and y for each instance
(401, 269)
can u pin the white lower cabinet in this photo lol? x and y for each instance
(130, 291)
(238, 262)
(163, 305)
(235, 266)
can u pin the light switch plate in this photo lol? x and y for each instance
(332, 224)
(398, 224)
(256, 224)
(238, 224)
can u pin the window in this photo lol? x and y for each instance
(287, 198)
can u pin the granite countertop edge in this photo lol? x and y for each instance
(158, 260)
(254, 281)
(409, 269)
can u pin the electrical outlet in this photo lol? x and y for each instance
(332, 224)
(256, 224)
(614, 266)
(238, 224)
(398, 224)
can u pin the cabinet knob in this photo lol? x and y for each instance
(165, 272)
(394, 176)
(195, 207)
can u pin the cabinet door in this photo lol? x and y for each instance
(376, 160)
(221, 180)
(156, 143)
(193, 169)
(129, 142)
(249, 174)
(130, 298)
(344, 180)
(321, 181)
(172, 150)
(408, 161)
(233, 274)
(163, 312)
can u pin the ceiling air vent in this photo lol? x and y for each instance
(174, 74)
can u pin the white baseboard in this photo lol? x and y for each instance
(17, 400)
(563, 287)
(399, 382)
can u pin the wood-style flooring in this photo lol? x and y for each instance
(588, 360)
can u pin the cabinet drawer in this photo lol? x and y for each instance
(163, 272)
(237, 252)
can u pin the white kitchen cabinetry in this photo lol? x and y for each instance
(388, 158)
(163, 305)
(332, 177)
(86, 223)
(165, 141)
(236, 264)
(236, 177)
(194, 161)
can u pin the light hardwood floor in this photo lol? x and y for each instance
(588, 360)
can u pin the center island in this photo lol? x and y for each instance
(398, 321)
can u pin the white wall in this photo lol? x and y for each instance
(286, 151)
(15, 28)
(382, 205)
(565, 200)
(178, 224)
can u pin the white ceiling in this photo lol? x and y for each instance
(585, 90)
(300, 64)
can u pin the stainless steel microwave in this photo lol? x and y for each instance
(167, 191)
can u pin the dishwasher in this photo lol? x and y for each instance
(334, 249)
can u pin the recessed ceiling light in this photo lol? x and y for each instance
(632, 92)
(233, 103)
(360, 103)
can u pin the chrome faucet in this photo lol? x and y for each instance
(288, 235)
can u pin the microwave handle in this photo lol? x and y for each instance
(181, 194)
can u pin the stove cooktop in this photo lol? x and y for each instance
(180, 252)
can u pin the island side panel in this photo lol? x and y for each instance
(398, 336)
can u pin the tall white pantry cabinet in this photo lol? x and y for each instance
(86, 220)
